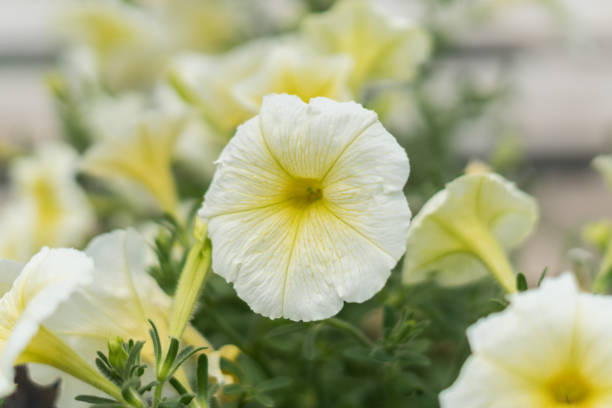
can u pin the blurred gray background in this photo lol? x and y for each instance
(558, 65)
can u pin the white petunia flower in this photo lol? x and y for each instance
(382, 48)
(550, 348)
(306, 209)
(49, 279)
(296, 71)
(129, 45)
(47, 206)
(463, 232)
(207, 82)
(228, 89)
(140, 155)
(118, 304)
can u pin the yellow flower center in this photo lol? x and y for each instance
(570, 389)
(302, 192)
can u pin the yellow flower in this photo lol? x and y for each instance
(382, 48)
(142, 154)
(47, 206)
(464, 230)
(49, 279)
(306, 209)
(549, 349)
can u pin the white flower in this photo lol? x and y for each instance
(207, 82)
(228, 89)
(122, 298)
(296, 71)
(47, 206)
(382, 48)
(140, 155)
(46, 281)
(306, 209)
(117, 304)
(129, 44)
(463, 231)
(550, 348)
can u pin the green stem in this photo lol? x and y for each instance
(158, 395)
(350, 329)
(190, 283)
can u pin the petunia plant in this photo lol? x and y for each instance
(254, 157)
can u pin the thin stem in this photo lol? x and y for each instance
(158, 395)
(350, 329)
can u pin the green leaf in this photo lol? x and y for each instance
(542, 276)
(156, 341)
(233, 389)
(286, 329)
(183, 356)
(309, 349)
(273, 384)
(176, 384)
(388, 319)
(229, 366)
(202, 377)
(521, 283)
(92, 399)
(165, 368)
(264, 400)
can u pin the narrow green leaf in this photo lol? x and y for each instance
(273, 384)
(169, 360)
(286, 329)
(92, 399)
(176, 384)
(179, 361)
(231, 367)
(542, 276)
(156, 341)
(264, 400)
(233, 389)
(202, 377)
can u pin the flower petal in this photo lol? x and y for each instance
(484, 384)
(307, 139)
(46, 281)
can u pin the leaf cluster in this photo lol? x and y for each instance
(123, 366)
